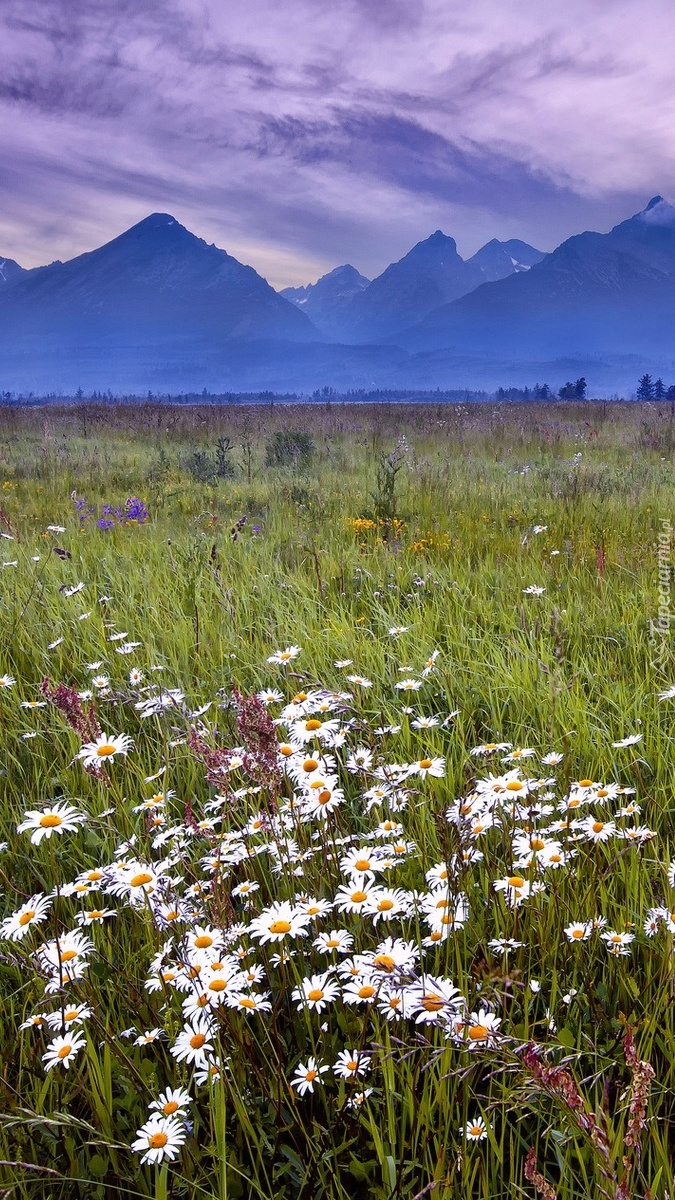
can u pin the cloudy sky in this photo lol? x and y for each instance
(299, 134)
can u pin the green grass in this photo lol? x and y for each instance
(338, 560)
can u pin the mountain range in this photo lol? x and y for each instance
(158, 308)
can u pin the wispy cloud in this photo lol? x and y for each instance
(305, 134)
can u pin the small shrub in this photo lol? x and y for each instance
(289, 448)
(208, 467)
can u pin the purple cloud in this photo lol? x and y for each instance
(301, 135)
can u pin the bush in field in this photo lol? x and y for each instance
(289, 448)
(208, 467)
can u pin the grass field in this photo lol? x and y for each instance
(340, 903)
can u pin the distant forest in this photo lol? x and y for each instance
(646, 389)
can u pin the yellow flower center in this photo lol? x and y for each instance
(424, 764)
(598, 826)
(324, 796)
(358, 897)
(68, 955)
(197, 1041)
(436, 936)
(362, 864)
(384, 961)
(310, 1076)
(310, 764)
(312, 725)
(94, 876)
(585, 783)
(300, 698)
(203, 941)
(602, 792)
(514, 786)
(352, 1064)
(515, 881)
(315, 994)
(332, 943)
(366, 992)
(140, 879)
(280, 927)
(432, 1002)
(537, 843)
(247, 1002)
(478, 1032)
(286, 750)
(26, 917)
(157, 1141)
(577, 933)
(64, 1051)
(170, 1107)
(50, 821)
(385, 905)
(105, 751)
(217, 985)
(70, 1015)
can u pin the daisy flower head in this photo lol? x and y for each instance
(360, 681)
(93, 754)
(578, 931)
(515, 889)
(160, 1138)
(338, 941)
(596, 830)
(7, 681)
(194, 1042)
(383, 904)
(617, 943)
(59, 818)
(475, 1130)
(35, 910)
(70, 1015)
(283, 657)
(628, 741)
(172, 1102)
(428, 766)
(435, 1001)
(308, 1074)
(350, 1063)
(62, 1050)
(481, 1027)
(316, 991)
(352, 897)
(250, 1002)
(279, 921)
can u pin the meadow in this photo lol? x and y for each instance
(338, 854)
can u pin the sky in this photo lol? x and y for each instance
(301, 134)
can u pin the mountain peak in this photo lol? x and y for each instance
(658, 212)
(156, 220)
